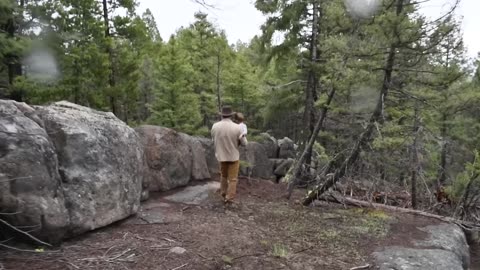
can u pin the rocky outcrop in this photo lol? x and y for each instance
(30, 184)
(173, 158)
(259, 165)
(282, 168)
(67, 169)
(200, 168)
(445, 248)
(100, 163)
(209, 148)
(270, 144)
(286, 148)
(169, 157)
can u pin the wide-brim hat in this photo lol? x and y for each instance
(227, 111)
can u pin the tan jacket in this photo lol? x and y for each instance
(227, 136)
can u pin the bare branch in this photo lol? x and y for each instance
(24, 233)
(14, 179)
(204, 3)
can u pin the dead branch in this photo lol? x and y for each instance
(353, 202)
(181, 266)
(26, 250)
(9, 214)
(18, 178)
(112, 259)
(367, 266)
(24, 233)
(204, 4)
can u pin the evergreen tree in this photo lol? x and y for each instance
(176, 105)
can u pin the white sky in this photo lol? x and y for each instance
(242, 21)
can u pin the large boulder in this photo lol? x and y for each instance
(169, 157)
(270, 144)
(449, 237)
(200, 169)
(29, 181)
(211, 159)
(100, 163)
(173, 158)
(282, 168)
(286, 148)
(258, 163)
(445, 248)
(415, 259)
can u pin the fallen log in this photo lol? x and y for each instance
(335, 198)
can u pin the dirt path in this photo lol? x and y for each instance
(263, 232)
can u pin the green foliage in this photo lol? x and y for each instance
(469, 176)
(279, 250)
(176, 105)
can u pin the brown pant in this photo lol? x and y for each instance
(228, 184)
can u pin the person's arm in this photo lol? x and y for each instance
(212, 133)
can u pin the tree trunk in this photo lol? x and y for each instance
(219, 100)
(311, 88)
(414, 165)
(111, 77)
(442, 176)
(297, 169)
(353, 202)
(376, 116)
(14, 69)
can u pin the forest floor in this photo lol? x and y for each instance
(263, 232)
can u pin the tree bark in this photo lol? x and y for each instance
(111, 77)
(376, 116)
(442, 176)
(414, 165)
(297, 169)
(219, 99)
(311, 87)
(353, 202)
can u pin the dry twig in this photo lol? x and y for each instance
(367, 266)
(181, 266)
(26, 250)
(24, 233)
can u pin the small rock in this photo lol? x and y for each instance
(178, 250)
(251, 218)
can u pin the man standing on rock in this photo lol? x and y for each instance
(227, 137)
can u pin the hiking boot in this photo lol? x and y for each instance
(219, 191)
(231, 205)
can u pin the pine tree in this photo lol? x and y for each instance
(175, 104)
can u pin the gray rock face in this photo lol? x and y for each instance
(270, 144)
(194, 195)
(287, 148)
(200, 167)
(209, 148)
(173, 158)
(29, 179)
(256, 156)
(169, 157)
(447, 237)
(100, 164)
(445, 249)
(417, 259)
(282, 169)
